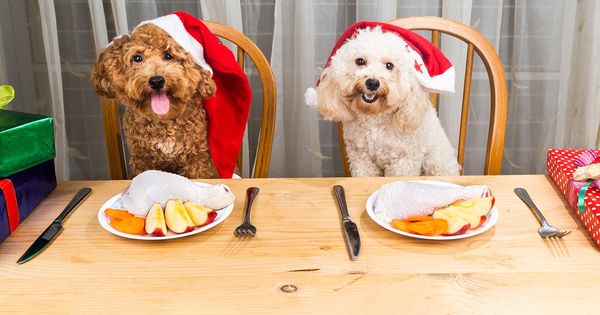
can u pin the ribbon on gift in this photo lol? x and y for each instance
(7, 93)
(579, 189)
(7, 188)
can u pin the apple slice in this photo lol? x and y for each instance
(476, 206)
(155, 221)
(462, 230)
(465, 215)
(456, 225)
(198, 213)
(177, 218)
(475, 209)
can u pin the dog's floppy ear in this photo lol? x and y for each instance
(330, 104)
(206, 86)
(412, 108)
(109, 65)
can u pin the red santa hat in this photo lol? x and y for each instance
(433, 70)
(227, 110)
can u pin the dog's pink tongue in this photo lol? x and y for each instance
(160, 103)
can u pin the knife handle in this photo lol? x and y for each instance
(79, 197)
(340, 196)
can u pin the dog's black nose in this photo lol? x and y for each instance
(157, 82)
(372, 84)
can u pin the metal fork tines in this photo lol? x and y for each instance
(546, 230)
(246, 229)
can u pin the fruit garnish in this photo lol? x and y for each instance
(117, 214)
(211, 217)
(420, 218)
(155, 221)
(177, 217)
(198, 213)
(401, 225)
(131, 225)
(465, 215)
(427, 226)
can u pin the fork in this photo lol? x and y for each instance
(546, 230)
(246, 228)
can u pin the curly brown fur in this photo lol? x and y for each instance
(176, 141)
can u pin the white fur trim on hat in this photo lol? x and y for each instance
(310, 97)
(441, 83)
(174, 27)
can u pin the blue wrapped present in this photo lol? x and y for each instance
(22, 192)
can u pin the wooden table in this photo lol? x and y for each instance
(507, 270)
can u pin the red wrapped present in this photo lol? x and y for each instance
(583, 196)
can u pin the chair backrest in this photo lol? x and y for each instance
(110, 108)
(498, 94)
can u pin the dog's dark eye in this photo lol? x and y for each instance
(137, 58)
(360, 62)
(168, 56)
(389, 66)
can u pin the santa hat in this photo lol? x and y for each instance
(227, 110)
(433, 70)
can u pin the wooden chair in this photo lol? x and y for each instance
(111, 118)
(498, 94)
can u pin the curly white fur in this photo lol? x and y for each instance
(397, 134)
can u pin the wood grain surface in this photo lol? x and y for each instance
(507, 270)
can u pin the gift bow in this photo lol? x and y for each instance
(8, 189)
(586, 158)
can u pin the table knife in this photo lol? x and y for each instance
(55, 227)
(348, 227)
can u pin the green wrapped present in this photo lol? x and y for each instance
(26, 140)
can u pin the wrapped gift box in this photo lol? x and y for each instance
(26, 166)
(20, 193)
(26, 140)
(583, 197)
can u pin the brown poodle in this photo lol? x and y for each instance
(162, 88)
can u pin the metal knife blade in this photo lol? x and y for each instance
(54, 228)
(349, 228)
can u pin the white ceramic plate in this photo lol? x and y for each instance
(115, 202)
(491, 220)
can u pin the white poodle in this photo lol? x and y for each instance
(390, 126)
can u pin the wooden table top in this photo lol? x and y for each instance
(508, 269)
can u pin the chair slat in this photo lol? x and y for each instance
(462, 139)
(435, 40)
(113, 138)
(240, 159)
(345, 163)
(240, 57)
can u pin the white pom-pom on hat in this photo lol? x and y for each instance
(310, 97)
